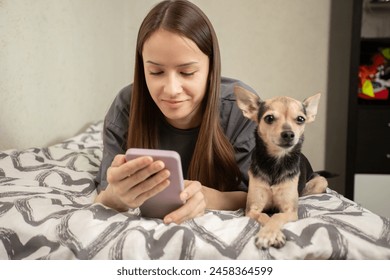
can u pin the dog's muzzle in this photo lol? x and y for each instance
(287, 138)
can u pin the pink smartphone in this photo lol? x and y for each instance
(168, 200)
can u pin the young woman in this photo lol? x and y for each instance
(178, 101)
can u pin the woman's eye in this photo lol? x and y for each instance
(155, 73)
(269, 119)
(301, 120)
(187, 73)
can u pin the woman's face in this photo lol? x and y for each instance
(176, 73)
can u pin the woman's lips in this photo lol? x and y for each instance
(173, 103)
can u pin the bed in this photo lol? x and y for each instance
(47, 212)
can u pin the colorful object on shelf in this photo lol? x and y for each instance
(377, 91)
(386, 53)
(372, 84)
(368, 89)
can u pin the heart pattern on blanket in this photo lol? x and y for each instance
(154, 241)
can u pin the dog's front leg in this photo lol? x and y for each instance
(259, 198)
(285, 198)
(316, 185)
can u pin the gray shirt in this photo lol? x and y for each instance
(238, 129)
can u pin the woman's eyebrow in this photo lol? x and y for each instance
(187, 64)
(154, 63)
(178, 66)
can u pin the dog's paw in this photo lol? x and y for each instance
(260, 217)
(316, 185)
(268, 237)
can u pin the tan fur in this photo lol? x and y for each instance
(283, 196)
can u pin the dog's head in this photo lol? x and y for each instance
(281, 120)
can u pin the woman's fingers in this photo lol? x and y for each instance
(195, 205)
(142, 174)
(147, 188)
(190, 189)
(186, 212)
(118, 160)
(120, 169)
(132, 182)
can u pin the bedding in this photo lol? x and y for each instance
(47, 212)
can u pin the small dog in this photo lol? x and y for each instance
(279, 172)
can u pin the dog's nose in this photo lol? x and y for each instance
(288, 135)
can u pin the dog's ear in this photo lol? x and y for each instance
(311, 107)
(248, 102)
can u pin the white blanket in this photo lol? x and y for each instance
(47, 212)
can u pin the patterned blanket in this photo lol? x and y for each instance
(47, 212)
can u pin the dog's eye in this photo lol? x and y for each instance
(301, 120)
(269, 119)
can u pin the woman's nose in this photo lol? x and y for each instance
(173, 85)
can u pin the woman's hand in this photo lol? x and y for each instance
(132, 182)
(195, 203)
(199, 198)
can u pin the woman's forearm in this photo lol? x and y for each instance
(218, 200)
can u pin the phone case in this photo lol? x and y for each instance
(168, 200)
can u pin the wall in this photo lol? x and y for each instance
(279, 48)
(63, 61)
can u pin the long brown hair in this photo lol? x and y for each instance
(213, 162)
